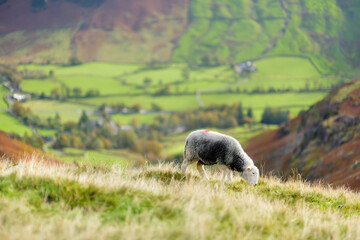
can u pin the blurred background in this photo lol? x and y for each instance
(123, 82)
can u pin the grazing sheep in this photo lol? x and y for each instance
(208, 148)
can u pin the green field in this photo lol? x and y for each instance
(68, 111)
(11, 125)
(124, 83)
(8, 123)
(99, 158)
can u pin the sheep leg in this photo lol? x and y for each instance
(200, 168)
(186, 163)
(226, 172)
(230, 177)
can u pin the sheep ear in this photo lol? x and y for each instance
(248, 169)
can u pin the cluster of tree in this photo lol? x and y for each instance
(114, 108)
(163, 90)
(63, 92)
(26, 74)
(87, 134)
(25, 114)
(275, 116)
(74, 60)
(33, 139)
(11, 74)
(219, 116)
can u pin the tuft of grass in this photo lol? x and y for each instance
(50, 196)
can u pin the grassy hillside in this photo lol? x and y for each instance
(88, 202)
(222, 31)
(199, 32)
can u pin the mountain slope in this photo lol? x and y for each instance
(112, 30)
(197, 31)
(225, 31)
(322, 143)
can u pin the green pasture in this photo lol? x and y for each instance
(3, 92)
(11, 125)
(273, 72)
(106, 85)
(122, 83)
(68, 111)
(39, 86)
(292, 101)
(93, 68)
(104, 157)
(46, 132)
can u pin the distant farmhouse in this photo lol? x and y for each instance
(20, 97)
(244, 68)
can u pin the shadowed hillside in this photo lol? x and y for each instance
(323, 143)
(110, 30)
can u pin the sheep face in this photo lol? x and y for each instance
(251, 175)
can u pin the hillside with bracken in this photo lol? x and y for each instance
(323, 143)
(124, 31)
(197, 32)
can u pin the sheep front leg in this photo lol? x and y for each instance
(226, 173)
(184, 166)
(200, 168)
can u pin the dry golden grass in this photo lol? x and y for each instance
(68, 202)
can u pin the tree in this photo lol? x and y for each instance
(250, 113)
(127, 139)
(147, 81)
(95, 144)
(185, 73)
(55, 93)
(156, 107)
(62, 141)
(239, 114)
(74, 60)
(84, 122)
(77, 92)
(274, 116)
(92, 93)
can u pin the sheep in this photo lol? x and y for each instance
(209, 148)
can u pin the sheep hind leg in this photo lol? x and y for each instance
(200, 168)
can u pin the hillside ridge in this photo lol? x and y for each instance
(323, 143)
